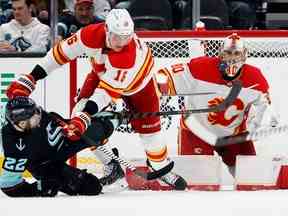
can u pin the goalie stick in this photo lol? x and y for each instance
(189, 94)
(250, 136)
(146, 175)
(233, 94)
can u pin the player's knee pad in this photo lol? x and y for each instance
(89, 184)
(48, 169)
(79, 182)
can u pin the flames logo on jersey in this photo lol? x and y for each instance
(221, 118)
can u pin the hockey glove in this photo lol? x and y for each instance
(74, 129)
(23, 86)
(115, 117)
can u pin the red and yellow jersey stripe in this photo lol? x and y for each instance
(143, 74)
(59, 55)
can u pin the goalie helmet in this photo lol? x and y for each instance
(119, 27)
(233, 54)
(20, 109)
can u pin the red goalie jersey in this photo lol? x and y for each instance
(216, 74)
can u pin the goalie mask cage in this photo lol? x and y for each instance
(170, 47)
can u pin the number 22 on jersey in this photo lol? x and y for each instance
(13, 164)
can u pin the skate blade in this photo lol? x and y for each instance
(118, 186)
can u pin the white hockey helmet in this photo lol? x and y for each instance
(232, 54)
(119, 22)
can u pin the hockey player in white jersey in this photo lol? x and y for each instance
(122, 65)
(216, 74)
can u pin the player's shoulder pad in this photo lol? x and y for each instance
(198, 61)
(252, 75)
(93, 35)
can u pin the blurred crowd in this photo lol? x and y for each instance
(25, 24)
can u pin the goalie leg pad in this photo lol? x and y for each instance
(229, 153)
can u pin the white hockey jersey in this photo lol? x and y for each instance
(119, 73)
(202, 75)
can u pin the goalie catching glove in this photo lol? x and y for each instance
(74, 129)
(23, 86)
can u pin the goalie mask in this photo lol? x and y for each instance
(232, 56)
(119, 29)
(23, 113)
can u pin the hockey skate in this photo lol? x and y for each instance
(176, 181)
(114, 176)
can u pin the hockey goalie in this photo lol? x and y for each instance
(197, 132)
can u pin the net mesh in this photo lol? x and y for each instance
(182, 48)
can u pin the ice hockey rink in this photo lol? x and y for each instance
(136, 203)
(143, 203)
(194, 203)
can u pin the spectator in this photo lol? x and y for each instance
(42, 10)
(242, 13)
(101, 7)
(24, 33)
(83, 15)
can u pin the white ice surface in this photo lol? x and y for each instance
(149, 203)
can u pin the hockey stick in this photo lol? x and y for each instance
(146, 175)
(250, 136)
(234, 92)
(189, 94)
(99, 145)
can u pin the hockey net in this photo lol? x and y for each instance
(265, 50)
